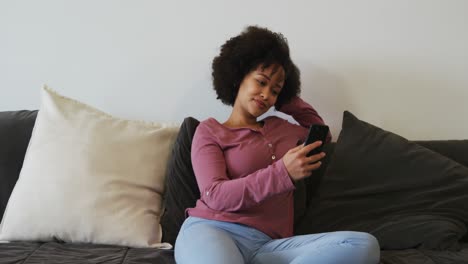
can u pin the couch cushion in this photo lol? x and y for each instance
(15, 132)
(404, 194)
(454, 149)
(59, 253)
(79, 253)
(90, 177)
(424, 256)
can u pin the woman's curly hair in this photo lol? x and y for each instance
(240, 55)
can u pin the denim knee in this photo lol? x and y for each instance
(367, 242)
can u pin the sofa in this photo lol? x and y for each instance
(318, 206)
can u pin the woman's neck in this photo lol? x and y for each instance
(236, 120)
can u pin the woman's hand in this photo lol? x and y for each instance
(300, 166)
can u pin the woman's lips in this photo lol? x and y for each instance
(260, 103)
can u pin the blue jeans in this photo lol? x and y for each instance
(202, 241)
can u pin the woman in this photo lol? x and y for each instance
(246, 168)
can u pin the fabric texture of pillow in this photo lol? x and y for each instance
(15, 132)
(181, 185)
(90, 177)
(404, 194)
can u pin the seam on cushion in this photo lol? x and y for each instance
(125, 256)
(34, 251)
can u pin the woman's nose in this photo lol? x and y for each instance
(265, 93)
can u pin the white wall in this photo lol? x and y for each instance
(401, 65)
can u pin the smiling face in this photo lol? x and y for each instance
(259, 90)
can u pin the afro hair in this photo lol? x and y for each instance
(254, 47)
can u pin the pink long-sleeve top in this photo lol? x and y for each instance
(241, 174)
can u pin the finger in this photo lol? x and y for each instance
(308, 148)
(309, 170)
(315, 158)
(297, 148)
(313, 166)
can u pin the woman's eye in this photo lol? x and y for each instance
(263, 83)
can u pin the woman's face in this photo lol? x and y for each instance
(259, 89)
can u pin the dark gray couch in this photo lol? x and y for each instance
(181, 191)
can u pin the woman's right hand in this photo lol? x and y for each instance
(298, 165)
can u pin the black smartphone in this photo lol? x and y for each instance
(316, 133)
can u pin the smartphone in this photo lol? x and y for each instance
(316, 133)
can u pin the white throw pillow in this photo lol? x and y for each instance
(90, 177)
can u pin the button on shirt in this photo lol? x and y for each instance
(241, 174)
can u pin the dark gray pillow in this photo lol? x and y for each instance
(181, 185)
(404, 194)
(15, 131)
